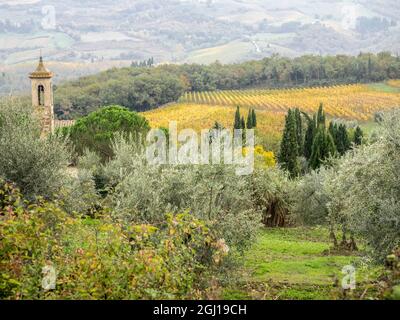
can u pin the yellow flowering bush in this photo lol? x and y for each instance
(263, 159)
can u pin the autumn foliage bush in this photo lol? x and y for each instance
(98, 258)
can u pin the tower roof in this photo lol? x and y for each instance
(41, 71)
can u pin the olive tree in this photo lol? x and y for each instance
(365, 189)
(36, 165)
(142, 193)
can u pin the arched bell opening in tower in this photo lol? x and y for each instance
(41, 95)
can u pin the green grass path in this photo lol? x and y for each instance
(292, 263)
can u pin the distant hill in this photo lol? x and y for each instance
(101, 32)
(14, 78)
(145, 88)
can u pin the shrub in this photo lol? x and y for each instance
(271, 190)
(310, 199)
(9, 196)
(263, 159)
(79, 194)
(99, 259)
(141, 193)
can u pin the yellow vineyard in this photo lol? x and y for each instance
(358, 102)
(199, 117)
(201, 110)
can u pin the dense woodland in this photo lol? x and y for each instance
(144, 88)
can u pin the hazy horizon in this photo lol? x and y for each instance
(85, 37)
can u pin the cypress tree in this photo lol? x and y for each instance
(243, 127)
(237, 124)
(317, 150)
(289, 147)
(358, 136)
(323, 148)
(216, 126)
(342, 140)
(336, 137)
(299, 132)
(330, 146)
(321, 119)
(254, 117)
(249, 123)
(309, 137)
(339, 141)
(345, 138)
(332, 130)
(284, 150)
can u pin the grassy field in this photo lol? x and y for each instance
(390, 87)
(295, 263)
(231, 52)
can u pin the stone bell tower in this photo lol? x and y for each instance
(42, 96)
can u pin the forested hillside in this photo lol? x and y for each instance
(145, 88)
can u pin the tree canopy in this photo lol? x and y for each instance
(96, 131)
